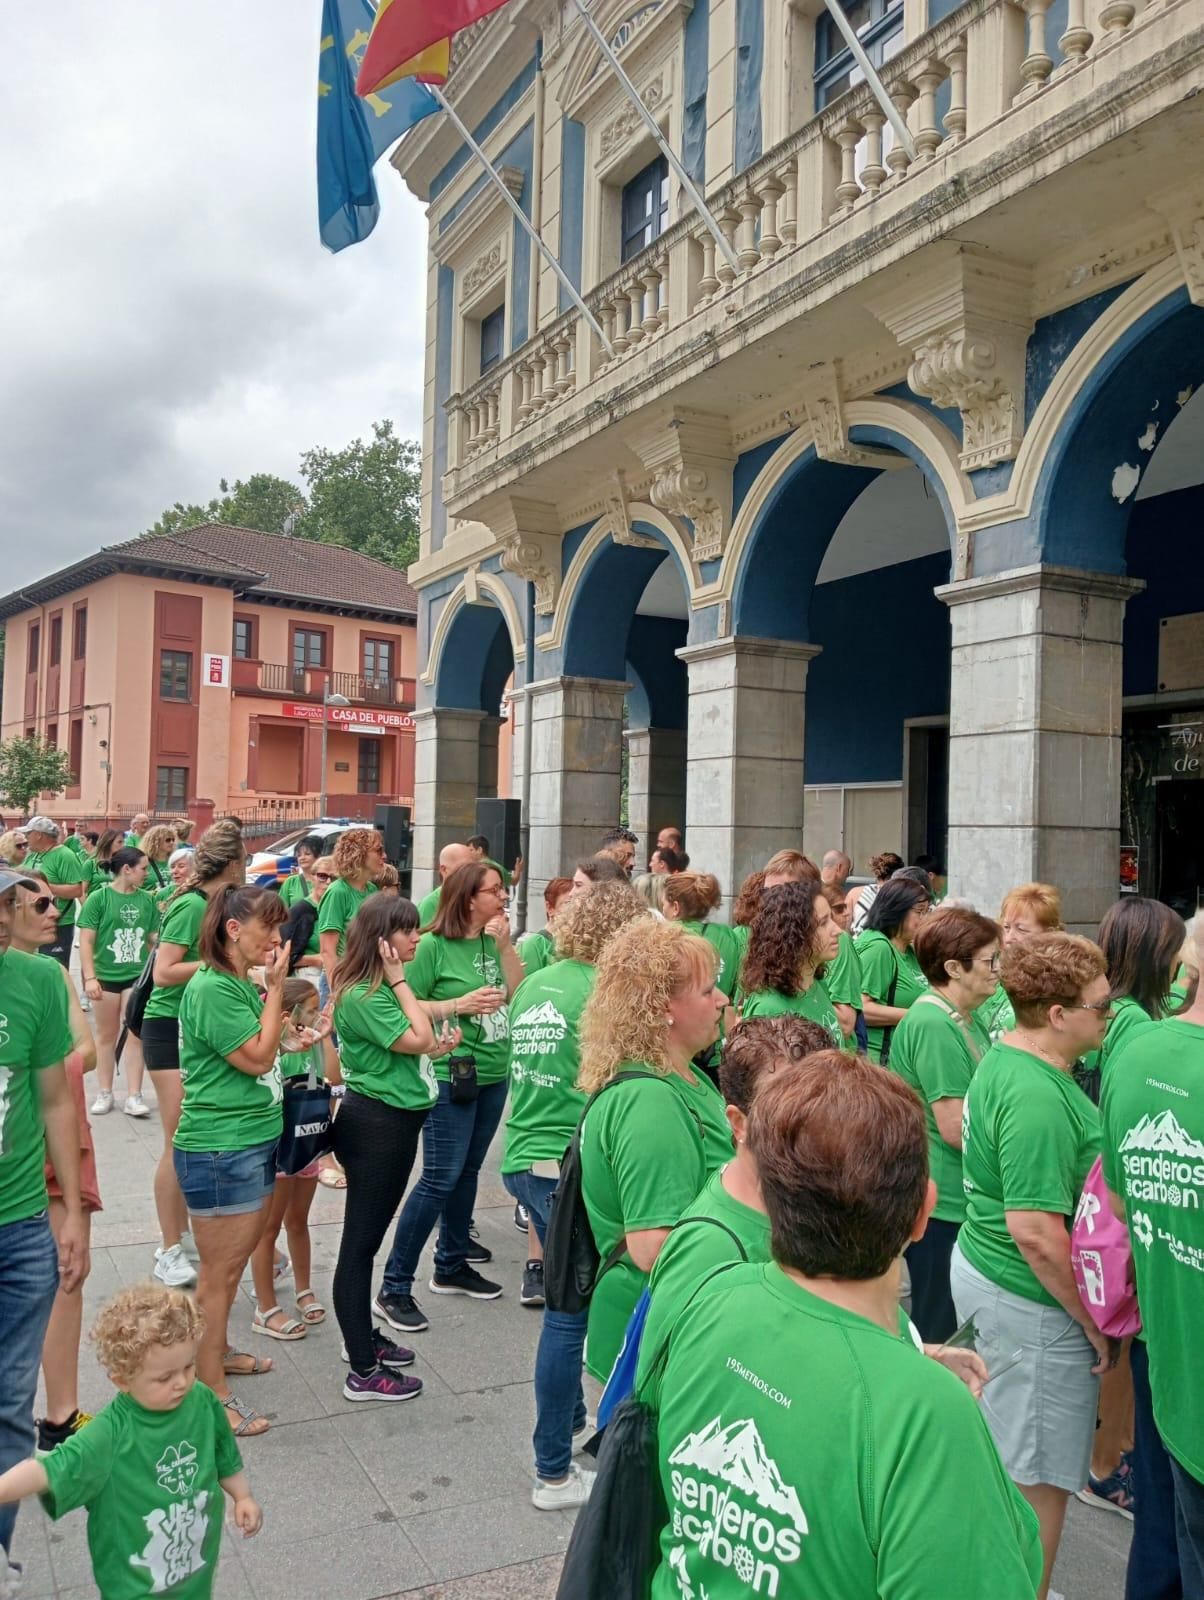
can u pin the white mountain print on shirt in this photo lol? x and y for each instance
(1164, 1135)
(546, 1014)
(737, 1455)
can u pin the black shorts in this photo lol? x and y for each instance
(116, 988)
(60, 946)
(161, 1044)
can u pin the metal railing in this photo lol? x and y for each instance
(373, 689)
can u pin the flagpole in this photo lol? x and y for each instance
(496, 179)
(650, 122)
(889, 109)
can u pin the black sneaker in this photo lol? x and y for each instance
(522, 1216)
(473, 1231)
(388, 1354)
(531, 1293)
(479, 1254)
(468, 1282)
(401, 1311)
(53, 1434)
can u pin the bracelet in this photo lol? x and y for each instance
(394, 984)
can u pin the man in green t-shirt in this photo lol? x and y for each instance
(138, 826)
(64, 872)
(37, 1115)
(450, 857)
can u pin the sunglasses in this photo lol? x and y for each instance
(20, 844)
(42, 904)
(324, 877)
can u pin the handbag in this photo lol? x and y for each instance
(1102, 1259)
(308, 1123)
(136, 999)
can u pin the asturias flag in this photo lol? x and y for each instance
(404, 29)
(353, 132)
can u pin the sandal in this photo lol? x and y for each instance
(259, 1364)
(330, 1178)
(314, 1313)
(251, 1424)
(291, 1330)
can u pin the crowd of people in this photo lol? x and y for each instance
(858, 1132)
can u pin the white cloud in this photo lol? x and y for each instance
(168, 315)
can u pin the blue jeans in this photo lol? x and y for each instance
(455, 1141)
(29, 1277)
(559, 1397)
(1189, 1529)
(1153, 1572)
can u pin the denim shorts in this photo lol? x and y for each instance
(226, 1183)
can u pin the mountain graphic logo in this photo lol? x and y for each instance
(1163, 1135)
(737, 1455)
(545, 1015)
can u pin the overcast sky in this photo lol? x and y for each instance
(167, 314)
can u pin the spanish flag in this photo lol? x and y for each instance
(412, 39)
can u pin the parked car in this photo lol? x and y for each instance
(270, 867)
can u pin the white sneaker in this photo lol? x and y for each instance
(135, 1106)
(574, 1491)
(188, 1246)
(173, 1268)
(10, 1577)
(102, 1104)
(584, 1434)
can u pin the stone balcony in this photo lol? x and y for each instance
(1052, 175)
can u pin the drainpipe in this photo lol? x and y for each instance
(524, 824)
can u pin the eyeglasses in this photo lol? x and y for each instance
(986, 961)
(1102, 1008)
(323, 877)
(42, 904)
(20, 844)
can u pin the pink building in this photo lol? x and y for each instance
(191, 667)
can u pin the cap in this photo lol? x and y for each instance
(16, 880)
(41, 825)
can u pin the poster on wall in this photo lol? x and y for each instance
(217, 672)
(1128, 869)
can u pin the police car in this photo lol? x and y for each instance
(269, 868)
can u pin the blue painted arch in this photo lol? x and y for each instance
(475, 662)
(604, 603)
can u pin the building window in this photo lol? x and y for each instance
(75, 749)
(56, 640)
(879, 26)
(175, 675)
(645, 208)
(369, 767)
(35, 646)
(244, 638)
(79, 638)
(378, 661)
(493, 339)
(309, 649)
(52, 735)
(171, 788)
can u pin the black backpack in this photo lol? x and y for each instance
(572, 1265)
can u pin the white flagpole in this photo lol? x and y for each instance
(889, 109)
(496, 180)
(650, 122)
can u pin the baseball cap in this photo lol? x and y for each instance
(16, 880)
(41, 825)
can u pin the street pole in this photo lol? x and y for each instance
(325, 706)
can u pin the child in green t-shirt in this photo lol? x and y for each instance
(305, 1046)
(150, 1465)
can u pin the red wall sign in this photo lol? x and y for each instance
(348, 716)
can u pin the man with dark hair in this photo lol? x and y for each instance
(619, 844)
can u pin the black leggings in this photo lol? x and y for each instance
(376, 1145)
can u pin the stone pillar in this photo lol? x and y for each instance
(487, 765)
(1034, 736)
(447, 766)
(656, 784)
(744, 772)
(577, 728)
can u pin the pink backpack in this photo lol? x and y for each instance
(1103, 1260)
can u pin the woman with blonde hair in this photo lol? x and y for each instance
(690, 898)
(650, 886)
(157, 845)
(659, 1130)
(1028, 909)
(359, 854)
(14, 847)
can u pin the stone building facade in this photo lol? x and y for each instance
(889, 533)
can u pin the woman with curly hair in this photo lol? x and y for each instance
(359, 854)
(793, 936)
(690, 898)
(748, 903)
(545, 1107)
(659, 1130)
(157, 845)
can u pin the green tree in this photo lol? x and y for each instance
(30, 766)
(366, 495)
(263, 501)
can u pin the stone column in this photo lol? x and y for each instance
(656, 784)
(744, 771)
(487, 765)
(447, 764)
(577, 728)
(1034, 736)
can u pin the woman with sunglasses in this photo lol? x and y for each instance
(14, 847)
(937, 1048)
(1029, 1138)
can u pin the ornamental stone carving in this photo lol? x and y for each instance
(1186, 217)
(821, 399)
(617, 132)
(482, 270)
(964, 369)
(525, 557)
(690, 456)
(529, 537)
(616, 517)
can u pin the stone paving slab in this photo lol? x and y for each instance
(430, 1499)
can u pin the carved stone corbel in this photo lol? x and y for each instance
(690, 456)
(821, 400)
(1185, 214)
(966, 323)
(617, 515)
(529, 534)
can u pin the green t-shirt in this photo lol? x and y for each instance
(132, 841)
(740, 932)
(1153, 1152)
(842, 979)
(545, 1102)
(647, 1146)
(1029, 1138)
(428, 906)
(339, 904)
(181, 926)
(804, 1451)
(813, 1003)
(694, 1249)
(536, 951)
(58, 865)
(445, 969)
(719, 936)
(937, 1054)
(34, 1034)
(299, 1063)
(880, 962)
(1128, 1019)
(294, 888)
(75, 844)
(224, 1109)
(151, 1481)
(123, 924)
(367, 1025)
(996, 1015)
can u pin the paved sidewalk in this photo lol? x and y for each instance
(430, 1499)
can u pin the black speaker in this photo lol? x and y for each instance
(393, 825)
(499, 821)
